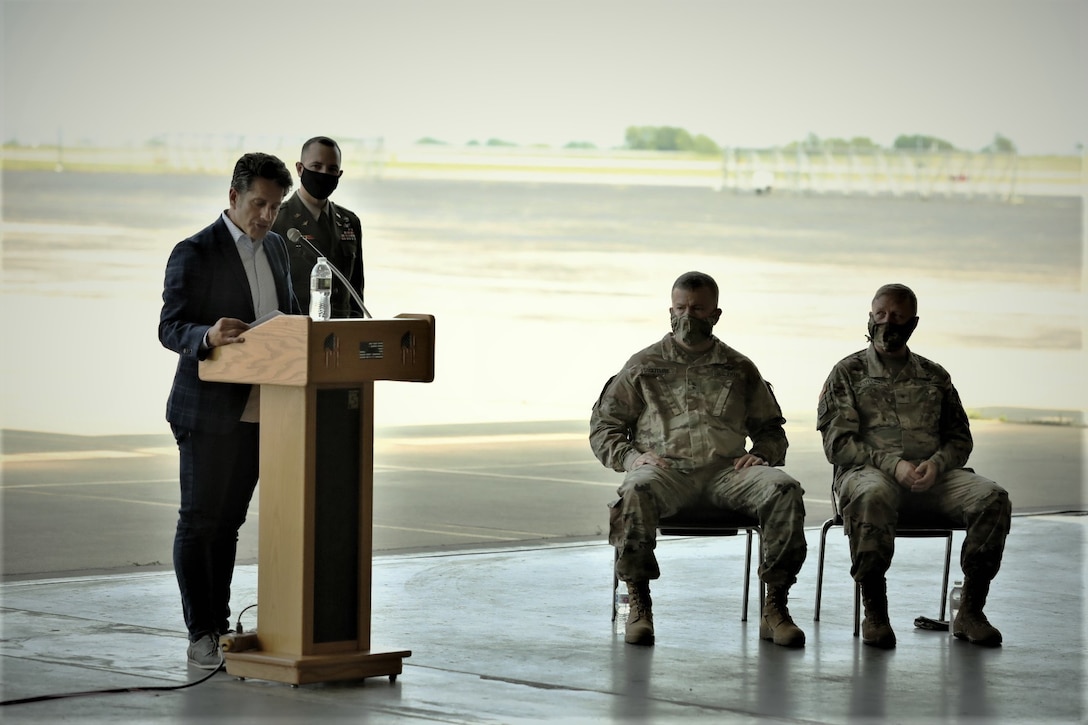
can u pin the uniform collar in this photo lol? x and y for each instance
(315, 211)
(715, 354)
(876, 367)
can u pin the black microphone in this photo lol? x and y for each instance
(296, 236)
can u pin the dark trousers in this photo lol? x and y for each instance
(218, 476)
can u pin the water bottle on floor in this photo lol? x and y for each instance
(954, 598)
(321, 290)
(623, 608)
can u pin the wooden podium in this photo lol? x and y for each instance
(316, 486)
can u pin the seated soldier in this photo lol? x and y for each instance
(676, 420)
(897, 434)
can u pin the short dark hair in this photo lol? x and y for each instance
(324, 141)
(258, 165)
(899, 292)
(692, 281)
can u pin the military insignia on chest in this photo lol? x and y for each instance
(722, 371)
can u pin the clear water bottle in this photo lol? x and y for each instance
(954, 598)
(623, 607)
(321, 290)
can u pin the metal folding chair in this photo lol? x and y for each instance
(708, 522)
(906, 528)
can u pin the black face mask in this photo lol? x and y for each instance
(891, 336)
(319, 186)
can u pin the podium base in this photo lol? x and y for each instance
(308, 669)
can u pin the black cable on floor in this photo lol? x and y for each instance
(160, 688)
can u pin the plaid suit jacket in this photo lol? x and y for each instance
(205, 280)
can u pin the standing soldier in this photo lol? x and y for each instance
(334, 230)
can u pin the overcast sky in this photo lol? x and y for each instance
(745, 73)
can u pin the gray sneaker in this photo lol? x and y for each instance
(204, 653)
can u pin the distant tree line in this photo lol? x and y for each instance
(674, 138)
(904, 142)
(668, 138)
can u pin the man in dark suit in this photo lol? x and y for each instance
(218, 282)
(336, 231)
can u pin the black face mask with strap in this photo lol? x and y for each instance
(319, 186)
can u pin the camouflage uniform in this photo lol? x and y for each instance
(696, 411)
(870, 420)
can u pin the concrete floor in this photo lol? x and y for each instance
(523, 635)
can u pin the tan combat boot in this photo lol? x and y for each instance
(640, 621)
(876, 630)
(775, 623)
(970, 623)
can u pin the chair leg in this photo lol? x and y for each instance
(944, 581)
(857, 608)
(615, 582)
(747, 575)
(762, 584)
(820, 567)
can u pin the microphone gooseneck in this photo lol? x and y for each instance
(295, 236)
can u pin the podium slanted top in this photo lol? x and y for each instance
(294, 350)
